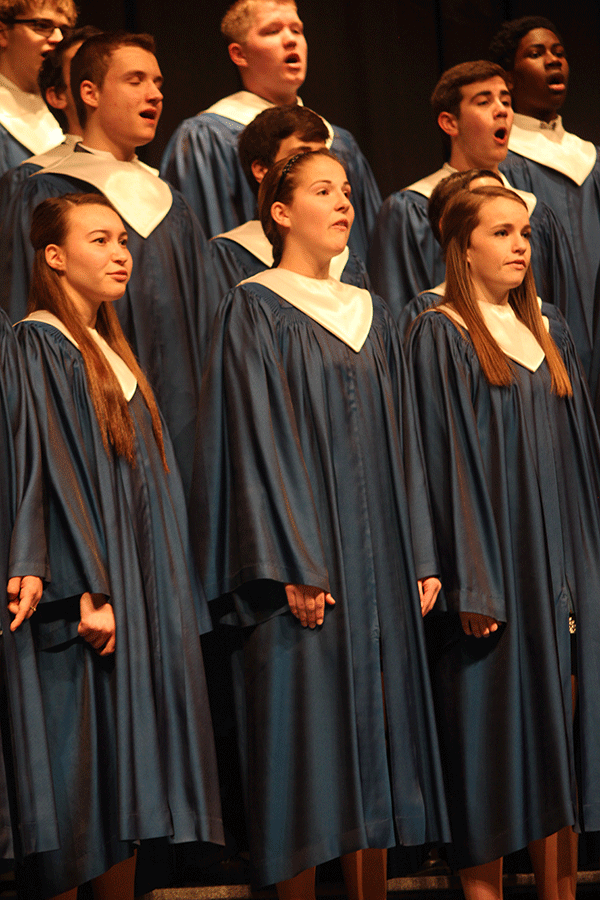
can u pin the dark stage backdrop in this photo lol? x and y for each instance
(372, 65)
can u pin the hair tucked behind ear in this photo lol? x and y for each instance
(461, 216)
(50, 225)
(278, 186)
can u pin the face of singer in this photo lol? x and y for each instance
(94, 260)
(499, 251)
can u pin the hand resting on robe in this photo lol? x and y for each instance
(97, 625)
(429, 589)
(308, 603)
(24, 592)
(478, 625)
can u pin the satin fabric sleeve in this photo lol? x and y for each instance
(555, 274)
(253, 514)
(404, 256)
(412, 463)
(28, 554)
(445, 373)
(12, 152)
(75, 527)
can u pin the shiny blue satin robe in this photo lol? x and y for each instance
(31, 823)
(514, 478)
(12, 151)
(166, 311)
(130, 735)
(405, 259)
(578, 210)
(201, 160)
(308, 471)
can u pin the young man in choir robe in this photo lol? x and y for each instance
(55, 88)
(266, 42)
(28, 32)
(473, 109)
(275, 133)
(562, 169)
(167, 310)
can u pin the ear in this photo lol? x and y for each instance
(56, 99)
(280, 215)
(55, 257)
(468, 256)
(237, 55)
(259, 170)
(4, 39)
(448, 123)
(89, 94)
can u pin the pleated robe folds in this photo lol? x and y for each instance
(514, 479)
(308, 471)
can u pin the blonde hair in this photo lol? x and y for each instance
(50, 225)
(460, 218)
(238, 19)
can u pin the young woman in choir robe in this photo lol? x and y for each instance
(512, 461)
(117, 631)
(313, 520)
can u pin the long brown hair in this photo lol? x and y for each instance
(461, 216)
(50, 225)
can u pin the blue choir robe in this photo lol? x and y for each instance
(28, 820)
(26, 125)
(242, 252)
(417, 305)
(201, 160)
(564, 171)
(405, 258)
(130, 735)
(170, 301)
(308, 471)
(514, 478)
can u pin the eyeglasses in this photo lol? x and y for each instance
(44, 27)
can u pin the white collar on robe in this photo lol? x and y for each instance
(426, 185)
(512, 336)
(45, 159)
(344, 310)
(252, 238)
(244, 106)
(123, 373)
(135, 190)
(27, 118)
(550, 145)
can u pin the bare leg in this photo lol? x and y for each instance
(483, 882)
(301, 887)
(365, 874)
(554, 861)
(118, 883)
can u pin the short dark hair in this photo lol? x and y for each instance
(92, 61)
(447, 94)
(51, 73)
(505, 42)
(260, 140)
(446, 188)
